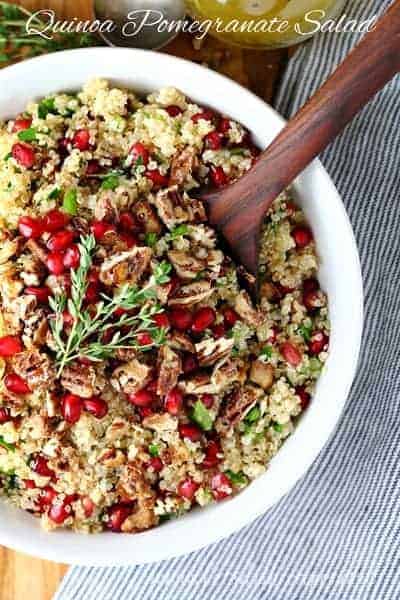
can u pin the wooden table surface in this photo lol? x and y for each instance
(21, 576)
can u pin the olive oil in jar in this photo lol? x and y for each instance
(263, 23)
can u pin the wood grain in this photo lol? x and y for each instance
(23, 577)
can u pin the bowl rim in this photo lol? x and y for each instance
(69, 547)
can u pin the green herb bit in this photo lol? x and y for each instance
(238, 151)
(27, 135)
(6, 445)
(46, 106)
(70, 202)
(277, 427)
(201, 416)
(266, 352)
(54, 194)
(237, 478)
(110, 182)
(150, 239)
(153, 450)
(177, 232)
(7, 156)
(253, 415)
(305, 331)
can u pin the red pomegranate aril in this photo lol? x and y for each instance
(203, 319)
(5, 416)
(152, 386)
(156, 464)
(93, 167)
(312, 300)
(96, 407)
(29, 484)
(291, 354)
(10, 345)
(24, 154)
(304, 397)
(145, 412)
(224, 126)
(213, 140)
(60, 240)
(142, 398)
(68, 319)
(318, 342)
(59, 512)
(72, 257)
(54, 221)
(302, 236)
(144, 339)
(117, 514)
(221, 486)
(92, 293)
(161, 320)
(158, 179)
(206, 115)
(191, 432)
(15, 384)
(130, 240)
(30, 228)
(140, 153)
(40, 466)
(173, 110)
(218, 331)
(218, 176)
(189, 364)
(88, 506)
(208, 400)
(47, 496)
(81, 140)
(71, 408)
(273, 336)
(230, 316)
(180, 318)
(21, 124)
(41, 293)
(55, 263)
(128, 222)
(187, 488)
(211, 458)
(100, 228)
(174, 401)
(310, 285)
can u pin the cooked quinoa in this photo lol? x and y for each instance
(138, 377)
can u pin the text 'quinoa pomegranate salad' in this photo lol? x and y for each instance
(138, 378)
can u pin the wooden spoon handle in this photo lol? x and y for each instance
(239, 208)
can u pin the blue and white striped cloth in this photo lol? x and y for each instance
(336, 535)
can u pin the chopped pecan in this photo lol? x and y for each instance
(159, 423)
(182, 166)
(36, 328)
(170, 367)
(125, 267)
(175, 208)
(35, 367)
(37, 250)
(262, 374)
(199, 384)
(137, 488)
(236, 406)
(185, 264)
(192, 293)
(85, 382)
(147, 216)
(210, 350)
(32, 269)
(229, 373)
(246, 310)
(104, 209)
(130, 377)
(180, 341)
(81, 225)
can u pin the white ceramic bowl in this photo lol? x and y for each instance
(339, 274)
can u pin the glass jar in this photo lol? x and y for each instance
(263, 23)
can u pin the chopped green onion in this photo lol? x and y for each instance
(6, 445)
(266, 352)
(253, 415)
(237, 478)
(110, 182)
(277, 427)
(70, 204)
(45, 107)
(305, 331)
(150, 239)
(55, 193)
(178, 231)
(201, 416)
(153, 450)
(27, 135)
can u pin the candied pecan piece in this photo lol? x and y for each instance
(236, 407)
(246, 310)
(131, 377)
(262, 374)
(199, 384)
(170, 367)
(35, 367)
(37, 250)
(36, 328)
(229, 373)
(125, 267)
(137, 488)
(85, 382)
(180, 341)
(192, 293)
(185, 264)
(175, 208)
(147, 216)
(182, 165)
(210, 350)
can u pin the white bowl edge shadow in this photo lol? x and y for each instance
(340, 276)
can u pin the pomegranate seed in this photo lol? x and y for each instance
(10, 345)
(81, 140)
(173, 110)
(218, 176)
(174, 401)
(145, 412)
(218, 331)
(29, 484)
(140, 153)
(187, 488)
(291, 354)
(224, 126)
(130, 240)
(152, 386)
(144, 339)
(100, 228)
(312, 300)
(213, 140)
(41, 293)
(68, 319)
(191, 432)
(203, 319)
(93, 167)
(72, 257)
(71, 408)
(4, 415)
(211, 458)
(24, 154)
(117, 514)
(128, 223)
(310, 285)
(47, 496)
(302, 236)
(39, 465)
(55, 263)
(273, 336)
(88, 506)
(304, 397)
(172, 286)
(54, 221)
(161, 320)
(15, 384)
(180, 318)
(206, 115)
(92, 293)
(157, 178)
(207, 400)
(60, 240)
(30, 228)
(221, 486)
(94, 276)
(21, 124)
(189, 364)
(141, 398)
(230, 316)
(59, 512)
(319, 342)
(156, 464)
(96, 407)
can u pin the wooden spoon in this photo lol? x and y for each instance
(238, 210)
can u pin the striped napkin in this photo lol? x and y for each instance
(336, 535)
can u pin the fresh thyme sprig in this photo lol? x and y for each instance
(87, 335)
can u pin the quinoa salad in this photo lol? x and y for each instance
(138, 378)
